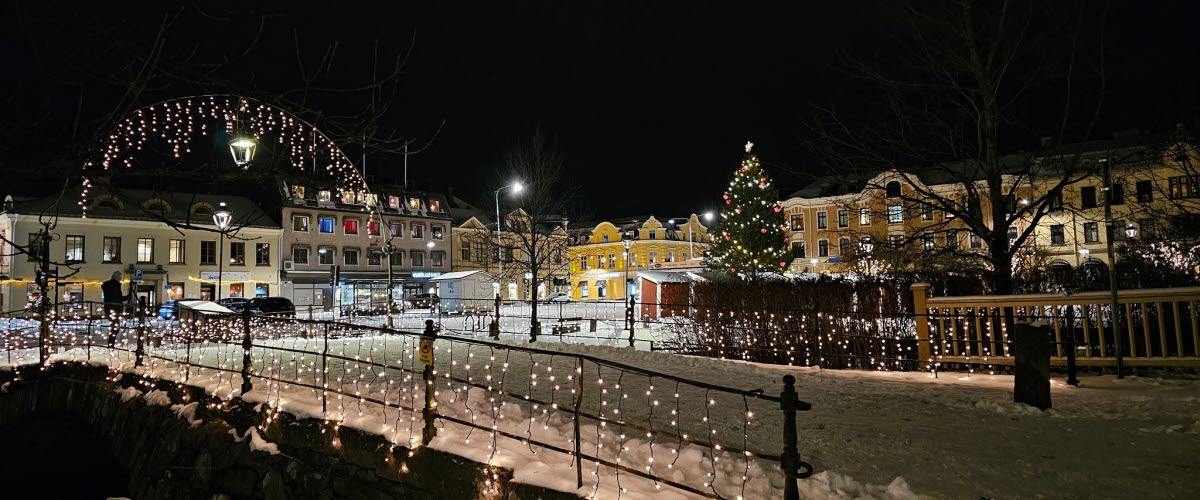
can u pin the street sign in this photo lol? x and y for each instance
(425, 353)
(137, 275)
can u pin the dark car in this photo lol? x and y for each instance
(234, 303)
(424, 300)
(272, 306)
(170, 308)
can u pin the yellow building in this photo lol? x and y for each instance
(829, 225)
(476, 247)
(598, 264)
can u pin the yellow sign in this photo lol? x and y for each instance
(425, 354)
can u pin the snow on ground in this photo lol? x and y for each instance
(869, 434)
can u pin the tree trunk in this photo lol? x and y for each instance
(533, 303)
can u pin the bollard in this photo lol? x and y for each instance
(790, 459)
(246, 359)
(429, 412)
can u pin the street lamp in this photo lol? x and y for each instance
(814, 265)
(1131, 231)
(516, 188)
(222, 217)
(242, 149)
(628, 244)
(708, 217)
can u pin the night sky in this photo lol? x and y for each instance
(650, 102)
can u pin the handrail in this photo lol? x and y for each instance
(1133, 295)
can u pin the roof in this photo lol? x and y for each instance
(1134, 147)
(132, 204)
(665, 276)
(457, 275)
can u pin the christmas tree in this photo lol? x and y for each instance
(750, 237)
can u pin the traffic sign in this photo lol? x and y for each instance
(425, 353)
(137, 275)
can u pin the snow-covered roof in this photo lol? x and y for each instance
(665, 276)
(456, 275)
(205, 307)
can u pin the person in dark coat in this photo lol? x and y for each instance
(114, 301)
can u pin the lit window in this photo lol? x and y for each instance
(350, 226)
(394, 202)
(348, 197)
(145, 250)
(822, 248)
(373, 228)
(324, 196)
(237, 253)
(262, 254)
(414, 204)
(326, 224)
(74, 248)
(435, 205)
(175, 252)
(822, 220)
(895, 214)
(397, 229)
(864, 217)
(418, 231)
(843, 218)
(325, 256)
(112, 250)
(298, 192)
(300, 223)
(436, 232)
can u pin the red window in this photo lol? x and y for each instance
(373, 228)
(350, 226)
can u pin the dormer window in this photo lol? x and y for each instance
(435, 205)
(298, 192)
(107, 204)
(414, 203)
(348, 197)
(202, 209)
(324, 196)
(371, 199)
(156, 206)
(394, 202)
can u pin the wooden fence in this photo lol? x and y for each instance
(1159, 327)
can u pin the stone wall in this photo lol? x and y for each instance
(166, 457)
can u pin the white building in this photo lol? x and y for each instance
(129, 232)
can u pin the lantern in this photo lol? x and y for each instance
(242, 149)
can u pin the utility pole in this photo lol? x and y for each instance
(1111, 231)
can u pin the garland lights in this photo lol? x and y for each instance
(752, 236)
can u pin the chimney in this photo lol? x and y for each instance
(450, 194)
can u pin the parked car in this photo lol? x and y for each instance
(234, 303)
(558, 297)
(170, 309)
(272, 306)
(423, 301)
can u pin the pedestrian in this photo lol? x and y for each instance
(113, 304)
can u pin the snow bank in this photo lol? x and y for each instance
(128, 393)
(188, 413)
(157, 398)
(257, 443)
(830, 485)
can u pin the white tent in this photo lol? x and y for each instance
(464, 291)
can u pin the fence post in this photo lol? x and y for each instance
(578, 402)
(325, 376)
(494, 328)
(921, 318)
(429, 412)
(790, 459)
(246, 359)
(1071, 370)
(140, 353)
(89, 333)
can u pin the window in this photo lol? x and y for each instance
(262, 254)
(1010, 204)
(893, 189)
(300, 255)
(1091, 232)
(864, 217)
(976, 241)
(350, 226)
(844, 247)
(822, 220)
(895, 214)
(112, 250)
(1012, 235)
(798, 250)
(1058, 234)
(145, 250)
(612, 260)
(927, 243)
(653, 257)
(394, 202)
(1116, 194)
(653, 234)
(583, 263)
(414, 204)
(926, 213)
(324, 196)
(370, 199)
(583, 289)
(237, 253)
(1118, 230)
(208, 252)
(843, 218)
(397, 258)
(373, 228)
(670, 256)
(599, 262)
(1055, 201)
(175, 249)
(601, 287)
(326, 225)
(1184, 186)
(418, 231)
(953, 205)
(897, 241)
(438, 258)
(1148, 228)
(952, 239)
(300, 223)
(1087, 197)
(348, 197)
(797, 222)
(350, 256)
(1145, 191)
(604, 238)
(418, 258)
(822, 248)
(397, 229)
(435, 205)
(298, 192)
(325, 256)
(464, 253)
(74, 249)
(437, 232)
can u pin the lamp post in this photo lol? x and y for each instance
(628, 244)
(814, 266)
(388, 250)
(516, 188)
(708, 217)
(222, 217)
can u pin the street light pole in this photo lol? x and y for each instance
(516, 187)
(628, 243)
(221, 218)
(1111, 231)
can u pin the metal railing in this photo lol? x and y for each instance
(618, 421)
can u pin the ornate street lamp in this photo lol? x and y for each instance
(222, 218)
(1131, 231)
(628, 244)
(242, 149)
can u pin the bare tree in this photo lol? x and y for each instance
(947, 104)
(532, 240)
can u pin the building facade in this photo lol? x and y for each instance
(833, 232)
(477, 247)
(363, 234)
(169, 238)
(599, 269)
